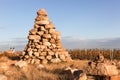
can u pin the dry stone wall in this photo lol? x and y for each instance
(44, 42)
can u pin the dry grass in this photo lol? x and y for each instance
(50, 72)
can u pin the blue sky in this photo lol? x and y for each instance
(79, 21)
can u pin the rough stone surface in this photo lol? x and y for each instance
(76, 73)
(115, 77)
(3, 77)
(21, 64)
(102, 67)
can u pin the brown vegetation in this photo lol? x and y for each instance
(12, 56)
(90, 54)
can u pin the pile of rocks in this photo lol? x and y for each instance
(102, 67)
(44, 44)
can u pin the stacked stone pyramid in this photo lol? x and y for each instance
(44, 42)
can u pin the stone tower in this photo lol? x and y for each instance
(44, 42)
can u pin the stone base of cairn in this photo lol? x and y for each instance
(44, 44)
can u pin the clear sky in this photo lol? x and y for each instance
(75, 19)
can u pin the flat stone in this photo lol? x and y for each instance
(44, 22)
(36, 54)
(56, 60)
(51, 31)
(33, 37)
(47, 43)
(40, 66)
(3, 77)
(21, 64)
(42, 12)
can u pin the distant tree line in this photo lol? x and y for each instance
(92, 53)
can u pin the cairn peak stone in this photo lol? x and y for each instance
(42, 12)
(44, 42)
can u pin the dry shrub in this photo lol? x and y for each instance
(35, 74)
(12, 56)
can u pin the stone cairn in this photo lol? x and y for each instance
(44, 44)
